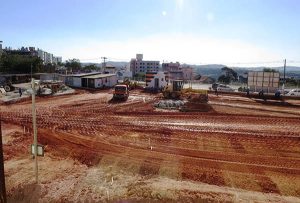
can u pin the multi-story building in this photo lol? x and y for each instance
(171, 66)
(47, 57)
(59, 59)
(176, 71)
(188, 72)
(138, 65)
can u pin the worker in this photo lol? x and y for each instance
(248, 92)
(216, 91)
(277, 94)
(20, 92)
(261, 93)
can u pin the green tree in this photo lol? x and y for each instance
(15, 63)
(90, 68)
(230, 73)
(224, 79)
(49, 68)
(73, 64)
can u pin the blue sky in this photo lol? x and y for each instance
(192, 31)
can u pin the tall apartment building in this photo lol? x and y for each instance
(138, 65)
(48, 58)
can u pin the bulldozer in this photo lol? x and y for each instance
(197, 101)
(173, 90)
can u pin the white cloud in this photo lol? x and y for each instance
(171, 47)
(164, 13)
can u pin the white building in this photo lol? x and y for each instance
(91, 80)
(99, 80)
(138, 65)
(156, 80)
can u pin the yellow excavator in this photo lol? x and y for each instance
(173, 90)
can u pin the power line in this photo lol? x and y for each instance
(204, 63)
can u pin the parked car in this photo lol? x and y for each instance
(284, 91)
(294, 92)
(225, 88)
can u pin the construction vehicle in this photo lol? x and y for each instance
(197, 101)
(121, 92)
(6, 84)
(173, 90)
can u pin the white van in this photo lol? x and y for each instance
(294, 92)
(224, 88)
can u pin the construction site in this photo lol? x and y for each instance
(195, 147)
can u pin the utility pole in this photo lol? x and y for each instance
(2, 175)
(1, 54)
(31, 70)
(283, 85)
(104, 63)
(34, 131)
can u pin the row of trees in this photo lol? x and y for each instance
(15, 63)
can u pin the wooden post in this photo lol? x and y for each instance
(2, 175)
(34, 131)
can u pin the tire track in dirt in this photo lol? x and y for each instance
(88, 131)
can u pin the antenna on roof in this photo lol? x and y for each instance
(104, 63)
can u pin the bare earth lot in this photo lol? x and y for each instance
(101, 151)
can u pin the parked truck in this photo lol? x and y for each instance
(121, 92)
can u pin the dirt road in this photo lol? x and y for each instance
(241, 150)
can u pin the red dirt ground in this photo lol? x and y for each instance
(243, 146)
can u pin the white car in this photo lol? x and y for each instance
(294, 92)
(224, 88)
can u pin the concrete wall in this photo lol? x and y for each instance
(106, 82)
(77, 82)
(98, 83)
(51, 76)
(267, 81)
